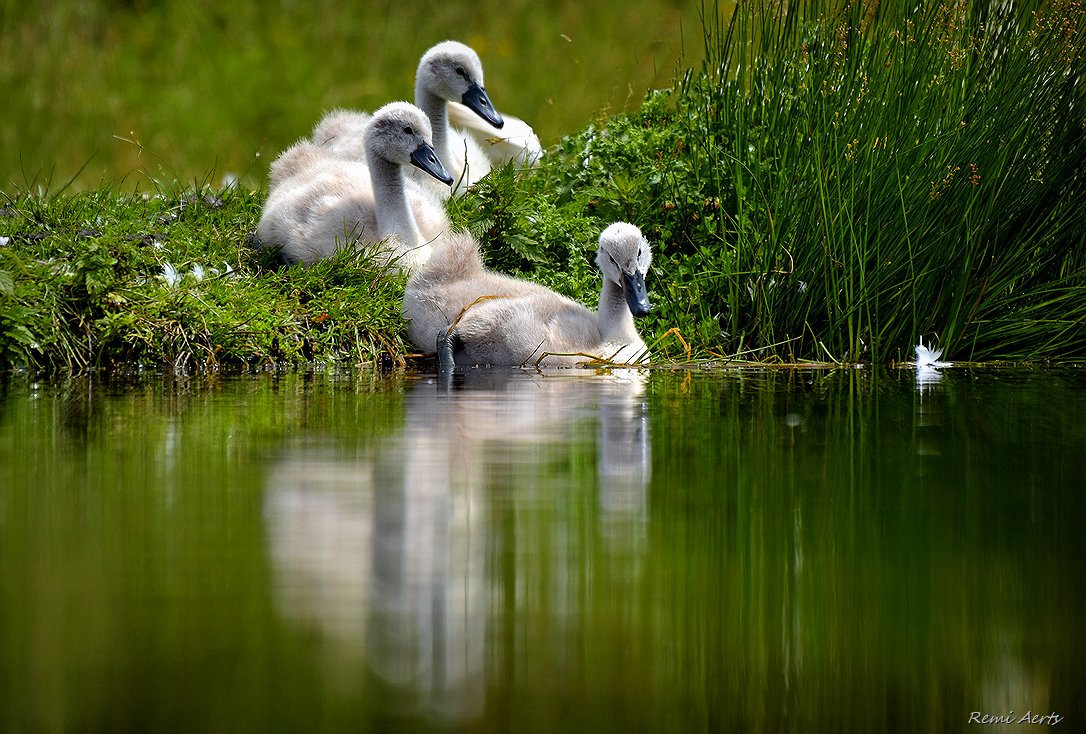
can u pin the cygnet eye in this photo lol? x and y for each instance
(409, 130)
(460, 71)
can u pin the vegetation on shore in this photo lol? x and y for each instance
(845, 178)
(124, 282)
(834, 182)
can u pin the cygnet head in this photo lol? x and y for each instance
(453, 71)
(624, 257)
(401, 134)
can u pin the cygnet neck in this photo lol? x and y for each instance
(391, 207)
(437, 110)
(615, 320)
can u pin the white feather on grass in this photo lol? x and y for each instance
(169, 272)
(175, 277)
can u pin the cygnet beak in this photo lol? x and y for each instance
(637, 297)
(476, 98)
(425, 158)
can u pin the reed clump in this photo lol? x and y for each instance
(841, 178)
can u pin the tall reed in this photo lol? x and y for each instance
(917, 171)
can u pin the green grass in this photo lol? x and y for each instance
(828, 185)
(83, 287)
(98, 92)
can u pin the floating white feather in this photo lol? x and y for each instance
(928, 357)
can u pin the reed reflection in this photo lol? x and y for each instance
(399, 557)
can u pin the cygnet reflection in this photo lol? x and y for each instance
(391, 556)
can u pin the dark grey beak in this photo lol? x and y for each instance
(425, 158)
(637, 297)
(477, 99)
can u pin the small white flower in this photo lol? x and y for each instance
(4, 241)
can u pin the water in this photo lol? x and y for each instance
(838, 551)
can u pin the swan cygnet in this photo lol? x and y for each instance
(475, 316)
(516, 141)
(448, 73)
(452, 72)
(318, 203)
(341, 133)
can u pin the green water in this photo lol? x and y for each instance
(841, 551)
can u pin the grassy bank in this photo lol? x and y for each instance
(122, 282)
(829, 185)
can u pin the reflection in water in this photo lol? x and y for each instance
(387, 554)
(1010, 676)
(819, 551)
(927, 377)
(320, 514)
(928, 418)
